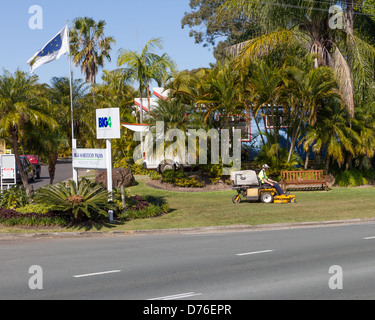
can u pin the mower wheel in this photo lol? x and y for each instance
(236, 199)
(266, 197)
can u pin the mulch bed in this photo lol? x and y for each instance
(157, 184)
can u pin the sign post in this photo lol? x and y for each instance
(108, 127)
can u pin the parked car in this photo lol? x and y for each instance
(35, 161)
(28, 168)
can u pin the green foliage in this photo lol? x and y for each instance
(154, 175)
(144, 207)
(277, 158)
(137, 169)
(13, 198)
(127, 163)
(89, 47)
(88, 200)
(351, 178)
(181, 179)
(213, 171)
(149, 212)
(11, 218)
(35, 208)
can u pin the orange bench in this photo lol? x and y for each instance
(303, 177)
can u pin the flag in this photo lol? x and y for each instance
(53, 50)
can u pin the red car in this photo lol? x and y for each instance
(35, 161)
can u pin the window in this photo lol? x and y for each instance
(273, 121)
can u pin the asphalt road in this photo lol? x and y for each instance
(336, 262)
(63, 172)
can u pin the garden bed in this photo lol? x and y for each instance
(158, 184)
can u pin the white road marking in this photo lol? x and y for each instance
(96, 274)
(369, 238)
(254, 252)
(177, 296)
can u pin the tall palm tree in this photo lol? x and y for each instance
(21, 102)
(284, 23)
(145, 66)
(89, 47)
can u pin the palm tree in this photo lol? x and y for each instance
(262, 86)
(285, 23)
(172, 112)
(220, 92)
(333, 132)
(116, 91)
(21, 103)
(145, 66)
(89, 47)
(84, 119)
(311, 89)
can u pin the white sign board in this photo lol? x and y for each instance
(108, 123)
(8, 169)
(89, 159)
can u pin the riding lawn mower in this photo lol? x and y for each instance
(248, 186)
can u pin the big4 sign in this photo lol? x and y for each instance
(108, 123)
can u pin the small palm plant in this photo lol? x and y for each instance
(88, 200)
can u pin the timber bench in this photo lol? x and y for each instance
(303, 177)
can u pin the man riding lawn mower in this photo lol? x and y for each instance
(253, 187)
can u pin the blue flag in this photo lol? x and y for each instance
(53, 50)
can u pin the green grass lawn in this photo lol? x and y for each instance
(217, 209)
(203, 209)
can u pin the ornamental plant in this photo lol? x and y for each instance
(88, 200)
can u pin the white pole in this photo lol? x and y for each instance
(74, 142)
(109, 175)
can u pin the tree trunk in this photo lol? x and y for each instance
(148, 99)
(294, 139)
(307, 159)
(52, 167)
(141, 103)
(327, 164)
(349, 17)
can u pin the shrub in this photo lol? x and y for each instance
(154, 175)
(87, 201)
(10, 218)
(141, 208)
(180, 179)
(13, 198)
(148, 212)
(35, 208)
(351, 178)
(277, 158)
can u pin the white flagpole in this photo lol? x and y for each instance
(74, 142)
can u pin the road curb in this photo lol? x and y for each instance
(213, 229)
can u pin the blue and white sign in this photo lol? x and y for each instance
(108, 123)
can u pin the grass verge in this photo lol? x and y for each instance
(204, 209)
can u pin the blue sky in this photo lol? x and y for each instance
(130, 22)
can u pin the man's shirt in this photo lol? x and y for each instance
(262, 175)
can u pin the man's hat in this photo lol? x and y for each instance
(265, 166)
